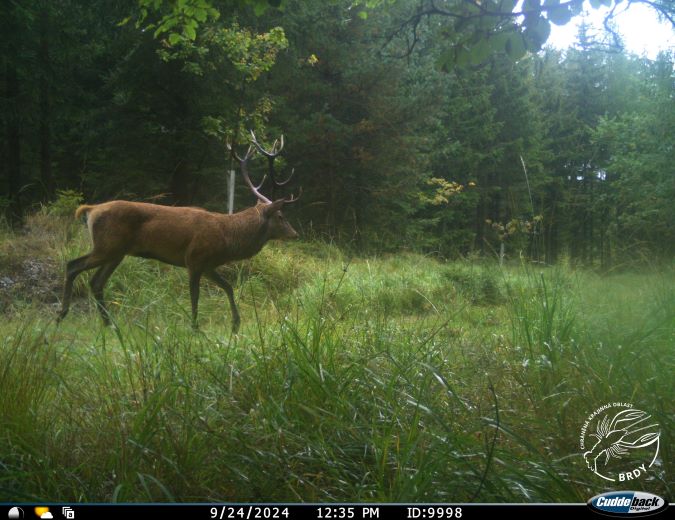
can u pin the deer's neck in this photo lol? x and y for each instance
(245, 233)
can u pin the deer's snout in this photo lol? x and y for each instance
(292, 234)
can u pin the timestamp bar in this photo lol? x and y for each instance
(287, 511)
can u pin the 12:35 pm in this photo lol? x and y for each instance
(335, 512)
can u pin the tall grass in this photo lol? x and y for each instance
(381, 379)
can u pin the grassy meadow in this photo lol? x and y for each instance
(381, 378)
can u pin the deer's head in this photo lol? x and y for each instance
(270, 211)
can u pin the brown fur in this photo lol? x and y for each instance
(194, 238)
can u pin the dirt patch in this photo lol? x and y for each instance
(30, 269)
(32, 279)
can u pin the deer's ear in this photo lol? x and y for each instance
(271, 209)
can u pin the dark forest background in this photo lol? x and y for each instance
(549, 154)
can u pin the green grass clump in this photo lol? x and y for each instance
(394, 378)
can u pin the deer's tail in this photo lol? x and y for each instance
(82, 209)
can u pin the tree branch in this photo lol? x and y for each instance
(429, 8)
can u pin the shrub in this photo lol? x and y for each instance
(65, 204)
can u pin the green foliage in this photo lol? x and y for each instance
(644, 196)
(602, 150)
(514, 45)
(65, 204)
(252, 54)
(558, 14)
(444, 190)
(536, 31)
(180, 22)
(392, 154)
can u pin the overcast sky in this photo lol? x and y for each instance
(639, 26)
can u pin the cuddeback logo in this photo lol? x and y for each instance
(620, 442)
(627, 503)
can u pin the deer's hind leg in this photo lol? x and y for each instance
(97, 283)
(195, 277)
(73, 269)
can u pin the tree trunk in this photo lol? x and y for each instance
(550, 227)
(332, 204)
(13, 132)
(45, 106)
(591, 221)
(179, 184)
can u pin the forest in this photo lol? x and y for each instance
(393, 150)
(487, 232)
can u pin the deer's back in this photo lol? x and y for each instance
(149, 230)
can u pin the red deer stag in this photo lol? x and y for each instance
(194, 238)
